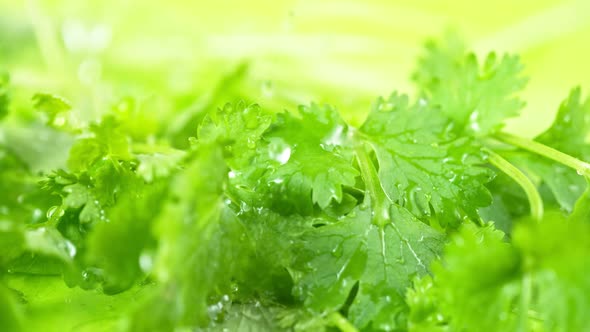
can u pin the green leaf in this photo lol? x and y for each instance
(479, 98)
(51, 306)
(556, 253)
(123, 247)
(200, 248)
(421, 166)
(158, 165)
(248, 318)
(487, 283)
(569, 131)
(53, 107)
(309, 159)
(107, 142)
(568, 134)
(479, 280)
(382, 260)
(11, 316)
(12, 242)
(239, 127)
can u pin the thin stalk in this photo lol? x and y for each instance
(341, 322)
(583, 168)
(533, 196)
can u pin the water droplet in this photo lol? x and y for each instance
(473, 121)
(70, 248)
(36, 215)
(277, 180)
(335, 138)
(280, 151)
(55, 211)
(337, 250)
(573, 187)
(146, 262)
(386, 107)
(244, 207)
(251, 143)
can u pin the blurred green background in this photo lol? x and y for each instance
(172, 53)
(176, 58)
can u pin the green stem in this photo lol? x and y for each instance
(380, 202)
(583, 168)
(535, 201)
(340, 322)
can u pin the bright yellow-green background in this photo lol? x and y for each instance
(342, 52)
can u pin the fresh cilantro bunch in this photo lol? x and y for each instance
(426, 217)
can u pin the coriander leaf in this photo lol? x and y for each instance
(478, 98)
(563, 183)
(12, 242)
(49, 305)
(106, 142)
(556, 252)
(309, 158)
(239, 127)
(159, 164)
(487, 283)
(423, 303)
(93, 190)
(421, 166)
(478, 281)
(272, 239)
(52, 106)
(581, 210)
(248, 318)
(569, 131)
(200, 248)
(121, 247)
(568, 134)
(382, 260)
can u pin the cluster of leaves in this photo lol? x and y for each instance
(255, 220)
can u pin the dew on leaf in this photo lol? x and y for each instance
(279, 151)
(337, 250)
(56, 211)
(474, 121)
